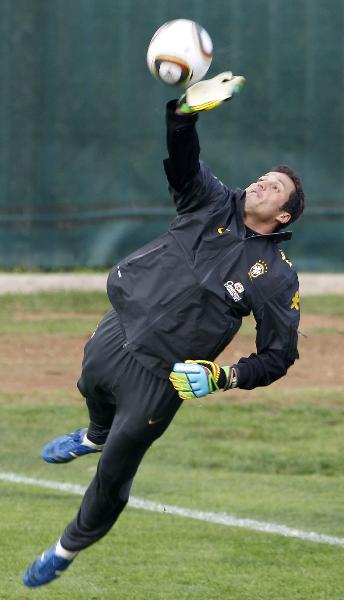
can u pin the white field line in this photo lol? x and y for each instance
(200, 515)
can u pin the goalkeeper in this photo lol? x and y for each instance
(176, 304)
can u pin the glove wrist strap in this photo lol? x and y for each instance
(183, 106)
(231, 378)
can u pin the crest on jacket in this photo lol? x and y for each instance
(259, 268)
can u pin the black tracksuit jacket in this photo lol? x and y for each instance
(183, 295)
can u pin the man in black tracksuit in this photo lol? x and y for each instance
(181, 297)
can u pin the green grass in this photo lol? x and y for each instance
(151, 557)
(271, 459)
(97, 302)
(52, 313)
(323, 305)
(63, 301)
(77, 313)
(271, 455)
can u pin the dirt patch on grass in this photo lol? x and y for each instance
(321, 349)
(44, 362)
(319, 364)
(311, 324)
(54, 362)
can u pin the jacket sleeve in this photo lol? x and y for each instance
(192, 185)
(277, 321)
(182, 146)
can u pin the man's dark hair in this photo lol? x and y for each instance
(296, 201)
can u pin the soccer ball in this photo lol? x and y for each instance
(180, 52)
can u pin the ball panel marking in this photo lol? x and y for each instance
(180, 69)
(180, 52)
(204, 41)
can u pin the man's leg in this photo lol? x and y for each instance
(101, 506)
(100, 363)
(107, 494)
(101, 411)
(69, 446)
(145, 405)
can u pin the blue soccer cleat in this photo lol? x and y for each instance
(67, 447)
(45, 569)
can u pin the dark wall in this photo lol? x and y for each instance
(82, 122)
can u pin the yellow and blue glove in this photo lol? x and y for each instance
(199, 378)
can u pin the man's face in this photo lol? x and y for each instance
(265, 198)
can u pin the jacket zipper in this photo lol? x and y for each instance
(139, 256)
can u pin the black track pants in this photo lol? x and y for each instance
(130, 407)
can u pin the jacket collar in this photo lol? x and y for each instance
(275, 236)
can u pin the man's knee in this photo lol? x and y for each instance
(81, 385)
(113, 486)
(124, 490)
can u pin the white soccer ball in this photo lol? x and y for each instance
(180, 52)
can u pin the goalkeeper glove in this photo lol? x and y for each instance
(197, 378)
(210, 93)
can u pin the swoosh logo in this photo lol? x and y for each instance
(155, 421)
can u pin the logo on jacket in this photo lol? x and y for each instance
(295, 301)
(283, 256)
(234, 289)
(239, 287)
(221, 230)
(259, 268)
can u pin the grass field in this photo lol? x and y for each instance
(275, 455)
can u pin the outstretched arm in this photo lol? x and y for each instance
(277, 337)
(182, 139)
(183, 148)
(277, 323)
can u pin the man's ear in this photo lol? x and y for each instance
(283, 218)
